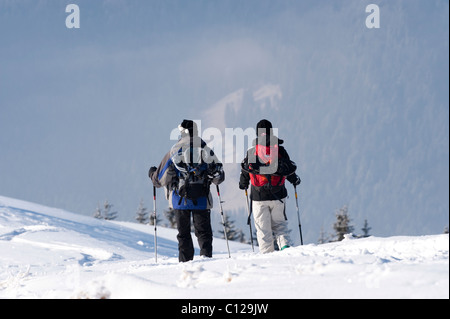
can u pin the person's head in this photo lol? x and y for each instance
(264, 127)
(188, 127)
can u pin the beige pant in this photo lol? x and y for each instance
(270, 218)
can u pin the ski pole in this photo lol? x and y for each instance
(249, 222)
(223, 221)
(298, 215)
(154, 223)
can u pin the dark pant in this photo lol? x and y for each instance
(203, 232)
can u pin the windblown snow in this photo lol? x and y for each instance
(51, 253)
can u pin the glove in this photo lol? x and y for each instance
(243, 185)
(215, 171)
(296, 181)
(151, 171)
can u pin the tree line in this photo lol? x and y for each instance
(341, 227)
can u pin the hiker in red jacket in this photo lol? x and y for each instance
(267, 166)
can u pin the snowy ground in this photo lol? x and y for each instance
(50, 253)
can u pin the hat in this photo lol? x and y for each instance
(264, 127)
(188, 126)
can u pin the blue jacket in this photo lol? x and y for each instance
(168, 174)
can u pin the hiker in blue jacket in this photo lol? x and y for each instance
(187, 172)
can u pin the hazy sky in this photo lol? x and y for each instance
(85, 112)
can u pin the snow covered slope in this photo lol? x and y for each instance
(50, 253)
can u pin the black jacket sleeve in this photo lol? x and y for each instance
(244, 178)
(293, 178)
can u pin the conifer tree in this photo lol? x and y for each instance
(98, 213)
(141, 213)
(342, 225)
(107, 214)
(232, 232)
(366, 229)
